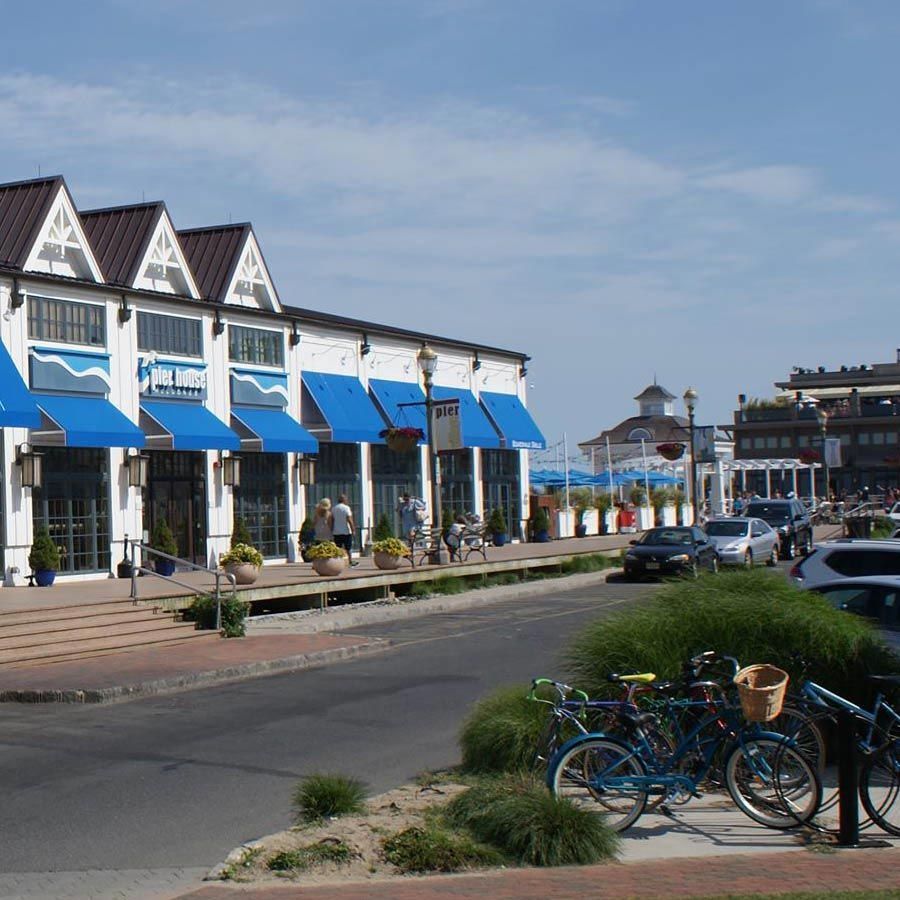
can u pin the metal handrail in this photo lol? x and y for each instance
(218, 574)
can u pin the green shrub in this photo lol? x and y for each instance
(540, 521)
(753, 615)
(307, 531)
(325, 550)
(496, 523)
(303, 858)
(322, 796)
(501, 578)
(44, 555)
(447, 520)
(241, 553)
(594, 562)
(501, 732)
(162, 538)
(436, 849)
(518, 815)
(392, 546)
(240, 534)
(637, 495)
(234, 614)
(883, 528)
(383, 530)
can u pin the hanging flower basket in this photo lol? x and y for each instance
(402, 440)
(671, 450)
(807, 457)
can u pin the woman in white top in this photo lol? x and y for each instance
(323, 521)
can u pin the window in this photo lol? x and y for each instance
(169, 334)
(878, 437)
(864, 562)
(891, 437)
(785, 441)
(639, 434)
(771, 442)
(744, 443)
(802, 440)
(66, 321)
(845, 440)
(863, 438)
(759, 443)
(254, 345)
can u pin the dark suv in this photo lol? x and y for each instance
(790, 519)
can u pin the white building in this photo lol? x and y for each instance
(123, 337)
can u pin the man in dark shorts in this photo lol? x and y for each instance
(343, 526)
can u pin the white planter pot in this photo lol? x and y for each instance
(612, 521)
(244, 573)
(330, 568)
(590, 519)
(386, 560)
(669, 515)
(565, 523)
(687, 514)
(644, 517)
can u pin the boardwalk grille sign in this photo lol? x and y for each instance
(445, 425)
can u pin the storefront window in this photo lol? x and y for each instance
(457, 490)
(393, 474)
(74, 506)
(337, 472)
(169, 334)
(261, 501)
(500, 479)
(66, 321)
(255, 345)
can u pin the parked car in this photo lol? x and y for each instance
(671, 551)
(847, 558)
(894, 513)
(877, 597)
(790, 519)
(742, 542)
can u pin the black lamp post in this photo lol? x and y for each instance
(428, 360)
(822, 416)
(690, 402)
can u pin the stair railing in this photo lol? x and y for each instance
(218, 574)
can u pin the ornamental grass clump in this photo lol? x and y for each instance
(324, 796)
(437, 849)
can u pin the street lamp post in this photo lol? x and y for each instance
(822, 416)
(690, 402)
(428, 361)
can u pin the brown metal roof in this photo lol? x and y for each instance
(23, 207)
(213, 255)
(119, 236)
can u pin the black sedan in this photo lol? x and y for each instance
(671, 551)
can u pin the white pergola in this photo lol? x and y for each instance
(733, 466)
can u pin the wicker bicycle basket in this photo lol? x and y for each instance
(761, 689)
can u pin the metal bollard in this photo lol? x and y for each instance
(848, 780)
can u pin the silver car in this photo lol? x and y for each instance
(743, 542)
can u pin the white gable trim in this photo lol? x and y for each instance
(164, 252)
(251, 278)
(61, 235)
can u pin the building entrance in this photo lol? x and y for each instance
(176, 492)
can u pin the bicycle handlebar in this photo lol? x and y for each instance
(563, 690)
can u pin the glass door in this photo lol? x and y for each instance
(176, 493)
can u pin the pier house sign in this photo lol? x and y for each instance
(183, 382)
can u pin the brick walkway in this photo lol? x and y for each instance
(846, 870)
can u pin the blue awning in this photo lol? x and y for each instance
(477, 430)
(275, 430)
(17, 406)
(513, 421)
(391, 394)
(189, 426)
(348, 412)
(88, 421)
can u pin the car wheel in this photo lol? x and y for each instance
(787, 548)
(773, 557)
(748, 560)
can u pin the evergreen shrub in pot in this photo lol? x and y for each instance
(44, 558)
(163, 540)
(540, 525)
(496, 525)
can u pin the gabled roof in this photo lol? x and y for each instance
(661, 428)
(119, 236)
(213, 255)
(654, 392)
(24, 206)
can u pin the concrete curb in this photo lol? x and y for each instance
(359, 614)
(187, 680)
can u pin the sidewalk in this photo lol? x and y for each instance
(847, 870)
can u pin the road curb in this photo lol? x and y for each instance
(187, 680)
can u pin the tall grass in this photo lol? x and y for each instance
(321, 796)
(437, 849)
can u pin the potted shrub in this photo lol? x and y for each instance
(603, 503)
(307, 536)
(540, 525)
(383, 529)
(402, 440)
(163, 540)
(44, 558)
(242, 561)
(327, 558)
(240, 533)
(388, 553)
(637, 495)
(496, 525)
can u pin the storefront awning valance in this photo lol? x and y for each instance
(84, 422)
(273, 430)
(186, 426)
(391, 395)
(477, 430)
(513, 421)
(17, 406)
(348, 413)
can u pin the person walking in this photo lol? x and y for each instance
(343, 527)
(323, 522)
(412, 514)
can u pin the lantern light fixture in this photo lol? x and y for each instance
(30, 463)
(138, 467)
(218, 324)
(231, 469)
(306, 468)
(125, 310)
(294, 338)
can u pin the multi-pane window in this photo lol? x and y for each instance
(255, 345)
(169, 334)
(66, 321)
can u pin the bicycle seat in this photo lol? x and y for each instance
(885, 679)
(642, 678)
(633, 721)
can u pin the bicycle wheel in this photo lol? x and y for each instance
(772, 784)
(555, 734)
(591, 774)
(879, 786)
(803, 731)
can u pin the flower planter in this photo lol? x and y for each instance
(499, 539)
(669, 516)
(330, 568)
(164, 567)
(45, 577)
(244, 573)
(387, 560)
(611, 520)
(541, 537)
(581, 531)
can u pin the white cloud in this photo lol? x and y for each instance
(775, 184)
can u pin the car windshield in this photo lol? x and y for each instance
(657, 536)
(726, 529)
(771, 512)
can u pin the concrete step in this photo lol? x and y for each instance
(77, 633)
(110, 651)
(70, 623)
(74, 611)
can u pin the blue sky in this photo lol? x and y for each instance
(704, 190)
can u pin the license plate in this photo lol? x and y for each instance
(652, 565)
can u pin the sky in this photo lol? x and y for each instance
(703, 192)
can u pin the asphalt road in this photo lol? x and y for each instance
(180, 780)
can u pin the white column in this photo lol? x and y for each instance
(523, 497)
(768, 482)
(794, 479)
(17, 511)
(477, 485)
(366, 512)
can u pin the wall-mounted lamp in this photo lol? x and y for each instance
(523, 370)
(125, 310)
(306, 469)
(19, 295)
(476, 363)
(294, 339)
(138, 466)
(231, 468)
(30, 463)
(218, 324)
(365, 348)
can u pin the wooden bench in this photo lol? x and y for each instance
(471, 540)
(423, 544)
